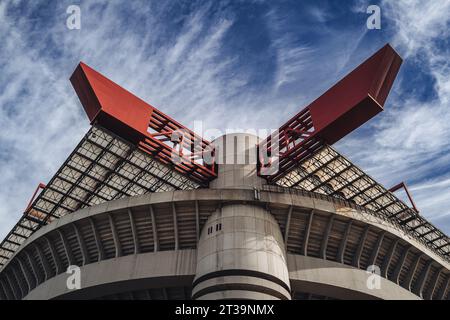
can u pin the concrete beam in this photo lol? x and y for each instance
(98, 243)
(287, 225)
(197, 220)
(412, 271)
(154, 228)
(400, 263)
(307, 232)
(388, 259)
(127, 273)
(55, 256)
(175, 226)
(115, 236)
(376, 249)
(82, 244)
(418, 289)
(332, 279)
(137, 248)
(324, 244)
(343, 245)
(67, 249)
(34, 268)
(362, 241)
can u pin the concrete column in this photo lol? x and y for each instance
(236, 158)
(241, 254)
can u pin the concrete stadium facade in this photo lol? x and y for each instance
(237, 239)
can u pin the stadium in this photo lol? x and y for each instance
(149, 210)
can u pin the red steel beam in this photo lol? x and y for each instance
(347, 105)
(402, 185)
(116, 109)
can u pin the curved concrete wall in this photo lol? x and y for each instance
(311, 226)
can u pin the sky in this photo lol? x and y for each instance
(232, 64)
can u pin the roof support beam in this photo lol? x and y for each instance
(13, 288)
(412, 271)
(388, 259)
(137, 248)
(434, 282)
(287, 226)
(441, 295)
(307, 233)
(19, 283)
(376, 249)
(46, 266)
(400, 263)
(55, 256)
(197, 221)
(6, 290)
(323, 246)
(98, 242)
(67, 249)
(175, 226)
(359, 250)
(343, 245)
(154, 228)
(115, 236)
(34, 268)
(82, 244)
(418, 287)
(26, 274)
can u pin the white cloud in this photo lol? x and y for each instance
(412, 141)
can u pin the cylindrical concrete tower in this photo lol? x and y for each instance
(241, 252)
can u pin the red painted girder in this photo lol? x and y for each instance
(347, 105)
(116, 109)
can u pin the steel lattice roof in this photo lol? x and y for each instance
(102, 167)
(328, 172)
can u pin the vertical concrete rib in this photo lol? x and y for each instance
(434, 283)
(359, 250)
(44, 262)
(343, 245)
(6, 291)
(82, 244)
(288, 224)
(66, 247)
(441, 295)
(307, 232)
(412, 271)
(34, 268)
(175, 226)
(137, 248)
(376, 249)
(26, 274)
(400, 263)
(326, 236)
(154, 228)
(18, 282)
(418, 287)
(115, 236)
(197, 220)
(98, 243)
(55, 256)
(388, 258)
(13, 288)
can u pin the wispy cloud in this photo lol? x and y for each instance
(412, 142)
(176, 55)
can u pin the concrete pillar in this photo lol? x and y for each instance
(236, 158)
(241, 255)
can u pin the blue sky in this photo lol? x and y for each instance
(232, 64)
